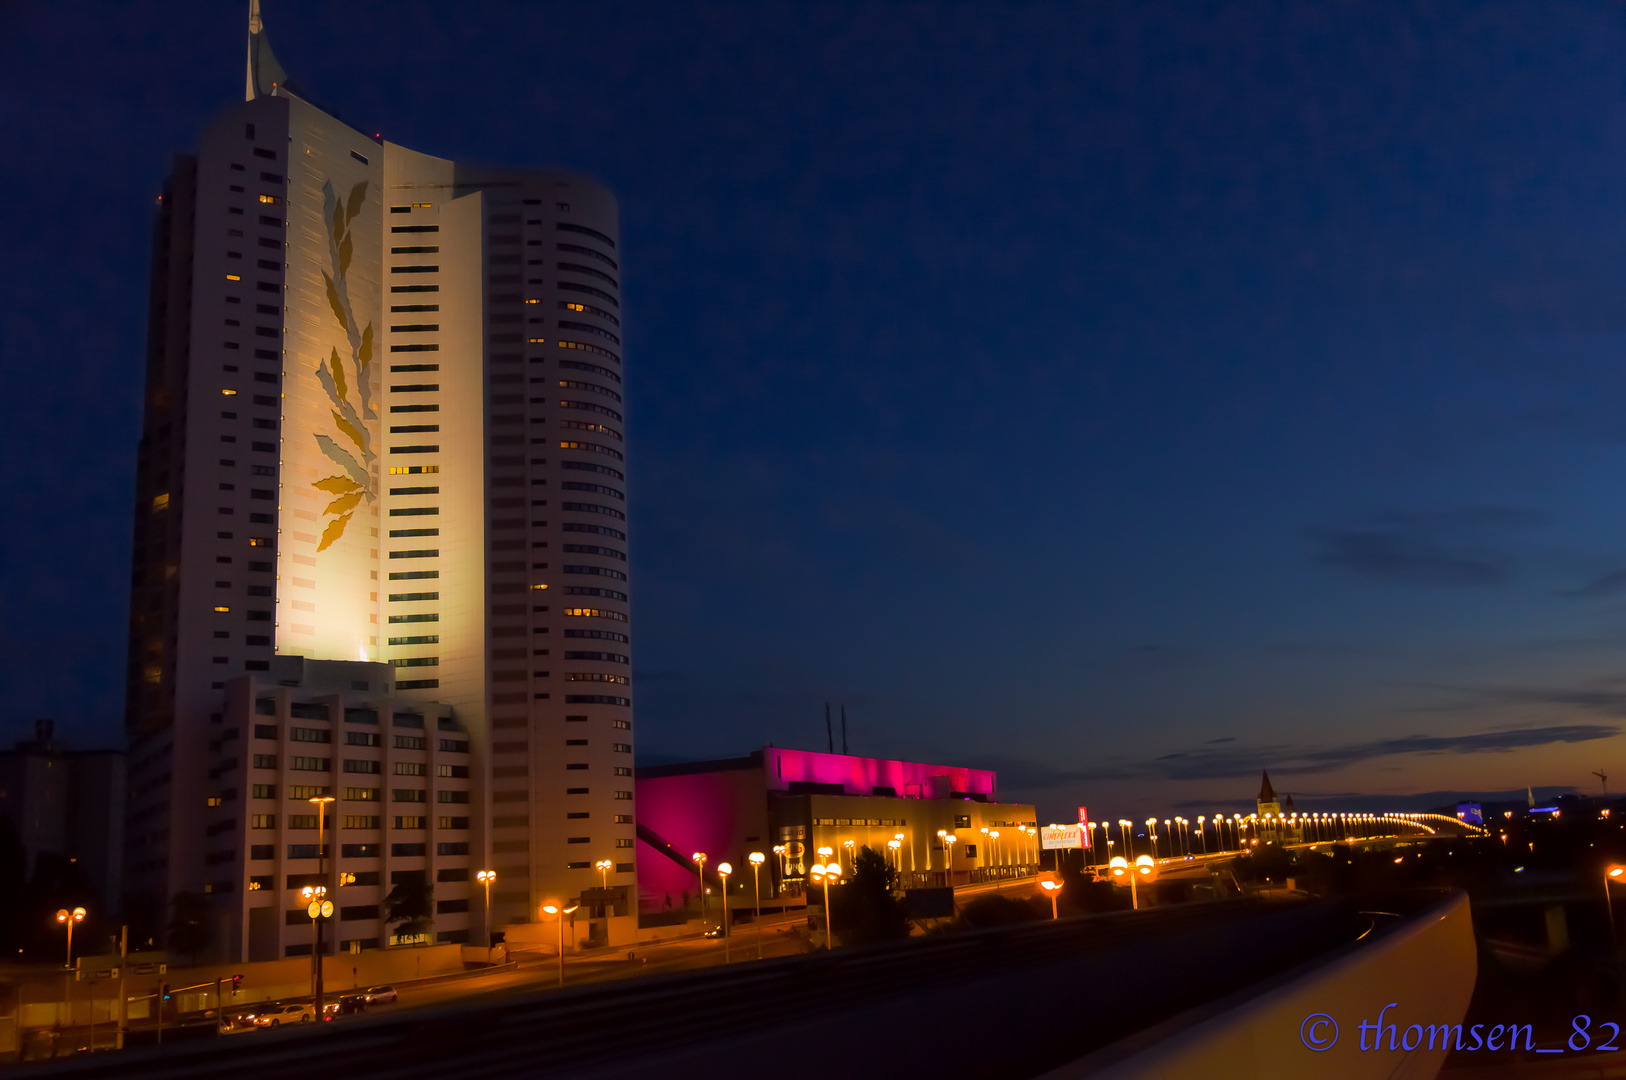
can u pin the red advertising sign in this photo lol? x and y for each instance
(1084, 820)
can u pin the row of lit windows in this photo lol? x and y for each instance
(580, 425)
(360, 765)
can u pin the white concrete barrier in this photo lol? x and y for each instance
(1385, 1008)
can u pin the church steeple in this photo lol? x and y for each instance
(1267, 794)
(264, 73)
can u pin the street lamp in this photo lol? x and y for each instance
(561, 911)
(68, 918)
(949, 840)
(318, 907)
(822, 873)
(723, 870)
(320, 802)
(1151, 834)
(1123, 835)
(1612, 874)
(756, 859)
(849, 845)
(699, 858)
(604, 866)
(486, 877)
(1054, 889)
(897, 853)
(899, 837)
(993, 837)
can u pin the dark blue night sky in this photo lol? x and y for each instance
(1125, 399)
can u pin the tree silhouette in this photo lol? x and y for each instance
(189, 924)
(865, 908)
(412, 904)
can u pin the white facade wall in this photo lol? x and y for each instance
(306, 518)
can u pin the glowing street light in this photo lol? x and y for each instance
(949, 840)
(1612, 874)
(1151, 834)
(1124, 825)
(851, 855)
(993, 836)
(604, 866)
(1053, 887)
(823, 874)
(897, 853)
(486, 877)
(68, 918)
(561, 911)
(723, 870)
(699, 858)
(900, 838)
(756, 859)
(317, 950)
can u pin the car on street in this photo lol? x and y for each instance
(714, 932)
(344, 1005)
(377, 995)
(277, 1014)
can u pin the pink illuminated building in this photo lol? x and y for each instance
(788, 804)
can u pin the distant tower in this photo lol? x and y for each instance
(1267, 799)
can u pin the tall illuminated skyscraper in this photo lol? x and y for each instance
(383, 423)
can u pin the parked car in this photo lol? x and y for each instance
(276, 1015)
(378, 995)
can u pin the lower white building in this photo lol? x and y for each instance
(398, 775)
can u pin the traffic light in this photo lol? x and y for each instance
(236, 983)
(165, 990)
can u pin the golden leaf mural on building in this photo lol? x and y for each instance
(353, 452)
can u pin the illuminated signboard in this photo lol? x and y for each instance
(1052, 837)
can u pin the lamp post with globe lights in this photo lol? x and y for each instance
(824, 874)
(699, 858)
(486, 877)
(561, 911)
(604, 866)
(68, 918)
(1053, 887)
(756, 859)
(723, 870)
(1143, 868)
(896, 848)
(949, 840)
(1612, 874)
(318, 907)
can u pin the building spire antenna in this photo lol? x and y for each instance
(829, 734)
(843, 727)
(264, 73)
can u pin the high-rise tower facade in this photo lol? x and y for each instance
(384, 422)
